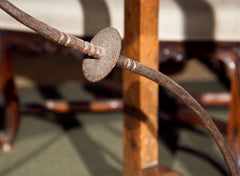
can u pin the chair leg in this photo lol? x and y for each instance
(233, 131)
(231, 60)
(9, 92)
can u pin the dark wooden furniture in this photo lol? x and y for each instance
(140, 95)
(228, 54)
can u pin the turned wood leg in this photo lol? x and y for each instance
(9, 93)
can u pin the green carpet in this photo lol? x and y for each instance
(90, 144)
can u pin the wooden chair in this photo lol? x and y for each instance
(186, 29)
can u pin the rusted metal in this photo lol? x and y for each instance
(50, 32)
(170, 85)
(129, 65)
(105, 49)
(97, 69)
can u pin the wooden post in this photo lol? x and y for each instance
(140, 95)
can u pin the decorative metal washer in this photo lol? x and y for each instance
(96, 69)
(106, 46)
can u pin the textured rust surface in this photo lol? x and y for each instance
(173, 87)
(130, 65)
(97, 69)
(50, 32)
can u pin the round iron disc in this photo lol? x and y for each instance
(96, 69)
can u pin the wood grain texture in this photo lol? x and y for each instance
(140, 94)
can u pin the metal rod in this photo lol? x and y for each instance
(128, 64)
(50, 32)
(173, 87)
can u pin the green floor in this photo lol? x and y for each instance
(90, 144)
